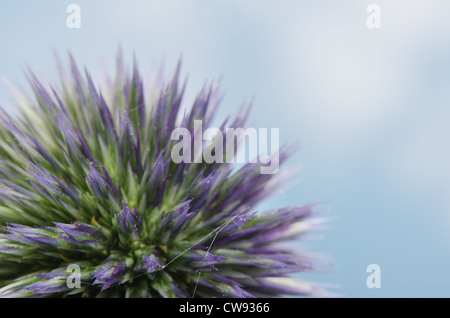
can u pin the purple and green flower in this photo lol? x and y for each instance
(86, 178)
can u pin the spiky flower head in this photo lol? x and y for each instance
(87, 180)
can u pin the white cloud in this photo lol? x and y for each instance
(355, 79)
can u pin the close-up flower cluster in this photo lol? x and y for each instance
(86, 179)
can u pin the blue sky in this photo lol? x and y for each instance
(371, 108)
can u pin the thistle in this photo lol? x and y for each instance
(86, 179)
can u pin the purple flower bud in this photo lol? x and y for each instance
(87, 177)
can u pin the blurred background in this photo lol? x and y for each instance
(370, 107)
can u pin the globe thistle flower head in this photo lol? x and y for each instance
(87, 180)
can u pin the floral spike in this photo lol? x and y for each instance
(87, 179)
